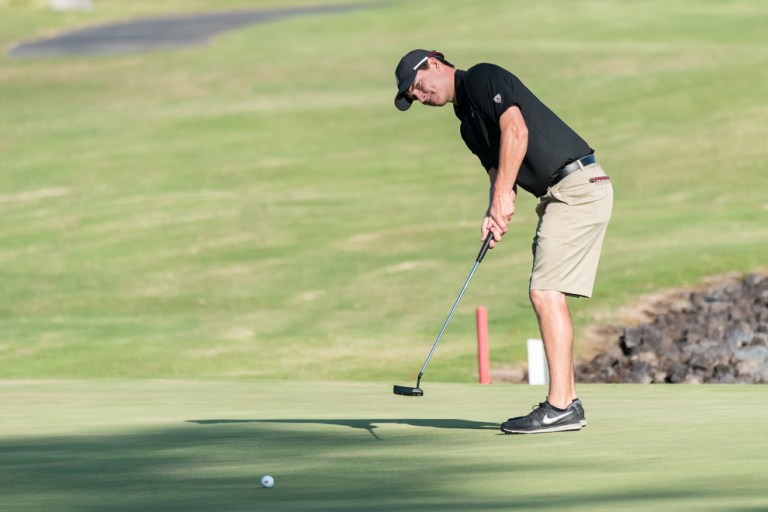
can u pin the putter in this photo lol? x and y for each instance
(417, 391)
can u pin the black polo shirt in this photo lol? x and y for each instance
(483, 93)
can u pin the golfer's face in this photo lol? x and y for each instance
(429, 88)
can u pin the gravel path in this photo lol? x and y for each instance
(161, 33)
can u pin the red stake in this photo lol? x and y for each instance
(483, 360)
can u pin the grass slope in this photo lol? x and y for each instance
(257, 207)
(203, 445)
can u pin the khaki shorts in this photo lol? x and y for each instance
(573, 217)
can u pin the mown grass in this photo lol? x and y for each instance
(167, 445)
(257, 207)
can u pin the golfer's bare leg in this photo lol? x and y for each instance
(557, 333)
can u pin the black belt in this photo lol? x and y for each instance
(573, 167)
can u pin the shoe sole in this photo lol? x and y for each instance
(545, 430)
(583, 422)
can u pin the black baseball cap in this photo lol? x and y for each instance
(406, 70)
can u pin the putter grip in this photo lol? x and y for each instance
(484, 248)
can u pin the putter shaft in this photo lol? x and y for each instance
(479, 258)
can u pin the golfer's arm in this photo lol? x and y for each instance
(513, 146)
(492, 177)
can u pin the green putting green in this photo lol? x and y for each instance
(153, 445)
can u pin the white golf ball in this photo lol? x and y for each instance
(267, 481)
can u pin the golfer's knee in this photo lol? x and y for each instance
(546, 299)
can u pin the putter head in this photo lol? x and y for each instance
(406, 391)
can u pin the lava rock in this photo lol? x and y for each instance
(718, 335)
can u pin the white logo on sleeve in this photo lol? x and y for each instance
(497, 98)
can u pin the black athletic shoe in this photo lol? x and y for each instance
(579, 408)
(544, 418)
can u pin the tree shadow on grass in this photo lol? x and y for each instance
(366, 424)
(185, 468)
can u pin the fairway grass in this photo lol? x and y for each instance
(151, 445)
(257, 208)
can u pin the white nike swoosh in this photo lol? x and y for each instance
(548, 421)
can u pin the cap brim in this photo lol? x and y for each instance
(402, 103)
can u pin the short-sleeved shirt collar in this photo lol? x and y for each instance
(459, 92)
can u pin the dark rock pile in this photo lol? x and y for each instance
(714, 336)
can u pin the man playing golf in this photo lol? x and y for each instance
(521, 142)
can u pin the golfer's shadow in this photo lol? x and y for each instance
(368, 424)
